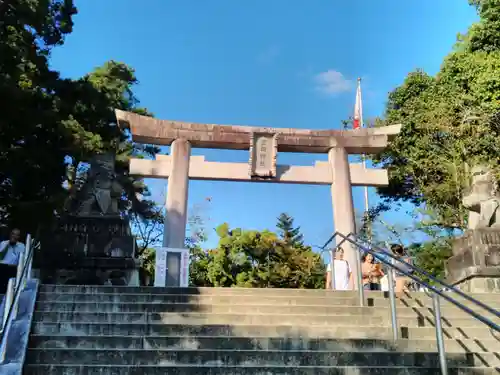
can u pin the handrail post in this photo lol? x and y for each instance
(12, 297)
(5, 323)
(19, 283)
(29, 268)
(22, 259)
(392, 301)
(359, 281)
(9, 298)
(439, 334)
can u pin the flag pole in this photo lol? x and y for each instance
(361, 125)
(367, 202)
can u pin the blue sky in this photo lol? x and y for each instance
(277, 63)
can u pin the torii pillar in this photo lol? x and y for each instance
(343, 206)
(263, 143)
(176, 202)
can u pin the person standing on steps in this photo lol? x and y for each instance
(402, 281)
(10, 253)
(372, 273)
(341, 272)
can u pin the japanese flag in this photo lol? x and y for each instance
(358, 109)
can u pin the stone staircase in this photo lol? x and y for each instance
(85, 330)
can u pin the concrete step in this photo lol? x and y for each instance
(415, 297)
(78, 289)
(247, 370)
(205, 357)
(248, 318)
(256, 343)
(341, 332)
(333, 300)
(132, 307)
(195, 299)
(191, 290)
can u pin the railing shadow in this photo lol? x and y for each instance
(300, 347)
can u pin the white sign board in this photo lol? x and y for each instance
(161, 271)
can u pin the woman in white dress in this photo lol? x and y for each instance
(342, 272)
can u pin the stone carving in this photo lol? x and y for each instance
(100, 193)
(483, 200)
(475, 263)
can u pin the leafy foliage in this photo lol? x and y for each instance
(431, 256)
(450, 122)
(246, 258)
(32, 137)
(50, 126)
(200, 261)
(287, 232)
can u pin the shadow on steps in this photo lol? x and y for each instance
(152, 345)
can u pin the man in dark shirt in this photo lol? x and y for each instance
(11, 251)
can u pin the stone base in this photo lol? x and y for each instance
(90, 277)
(475, 264)
(76, 238)
(95, 271)
(480, 284)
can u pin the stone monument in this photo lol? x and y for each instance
(475, 263)
(91, 243)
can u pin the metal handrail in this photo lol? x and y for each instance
(428, 275)
(13, 294)
(435, 297)
(418, 280)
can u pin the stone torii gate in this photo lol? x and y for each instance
(263, 145)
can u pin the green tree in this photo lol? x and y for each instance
(200, 260)
(50, 127)
(450, 122)
(254, 259)
(92, 113)
(431, 256)
(33, 135)
(287, 232)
